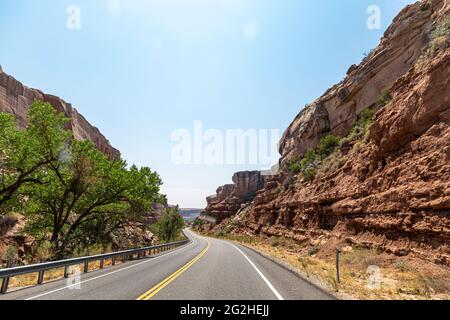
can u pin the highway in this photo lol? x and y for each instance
(205, 269)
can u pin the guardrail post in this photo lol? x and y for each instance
(66, 271)
(139, 253)
(41, 277)
(5, 281)
(338, 276)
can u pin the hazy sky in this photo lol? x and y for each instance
(141, 69)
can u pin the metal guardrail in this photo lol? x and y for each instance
(40, 268)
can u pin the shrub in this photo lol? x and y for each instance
(275, 242)
(439, 40)
(403, 266)
(305, 166)
(362, 125)
(11, 255)
(327, 146)
(295, 167)
(197, 223)
(312, 251)
(44, 251)
(310, 174)
(170, 224)
(308, 159)
(383, 100)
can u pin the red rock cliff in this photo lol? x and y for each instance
(16, 98)
(339, 107)
(390, 190)
(230, 197)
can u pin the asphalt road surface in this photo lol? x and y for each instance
(205, 269)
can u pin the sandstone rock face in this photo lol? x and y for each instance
(393, 194)
(338, 108)
(15, 98)
(391, 191)
(229, 198)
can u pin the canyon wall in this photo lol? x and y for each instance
(15, 98)
(230, 197)
(337, 109)
(388, 190)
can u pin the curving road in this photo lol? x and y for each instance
(205, 269)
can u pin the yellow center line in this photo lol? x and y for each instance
(153, 291)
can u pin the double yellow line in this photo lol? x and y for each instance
(153, 291)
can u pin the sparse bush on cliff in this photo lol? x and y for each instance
(197, 223)
(310, 174)
(305, 166)
(327, 146)
(383, 100)
(308, 159)
(439, 40)
(362, 125)
(294, 166)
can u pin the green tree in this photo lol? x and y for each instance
(83, 199)
(25, 152)
(170, 225)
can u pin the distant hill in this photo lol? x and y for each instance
(190, 214)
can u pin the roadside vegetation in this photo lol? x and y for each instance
(401, 278)
(70, 195)
(169, 226)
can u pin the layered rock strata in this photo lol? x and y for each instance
(16, 98)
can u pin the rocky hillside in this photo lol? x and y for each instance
(386, 184)
(337, 109)
(16, 98)
(230, 197)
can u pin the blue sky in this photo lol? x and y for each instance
(140, 69)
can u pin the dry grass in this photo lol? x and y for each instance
(400, 278)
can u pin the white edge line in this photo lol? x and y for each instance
(275, 292)
(106, 274)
